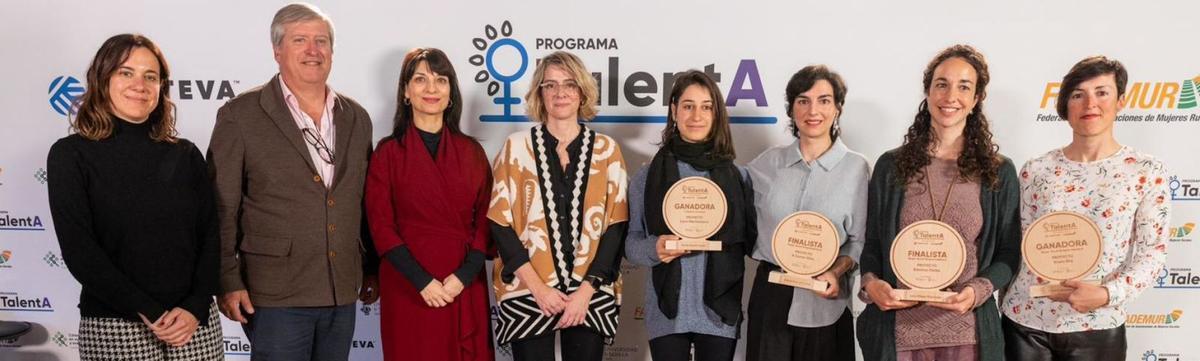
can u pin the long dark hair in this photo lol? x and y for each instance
(720, 134)
(980, 157)
(94, 118)
(439, 64)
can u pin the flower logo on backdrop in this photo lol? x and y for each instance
(64, 91)
(1184, 189)
(493, 77)
(369, 310)
(1154, 102)
(1152, 355)
(503, 60)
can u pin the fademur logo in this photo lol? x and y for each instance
(5, 258)
(1177, 278)
(1184, 189)
(10, 222)
(1166, 98)
(1180, 234)
(638, 89)
(10, 301)
(1170, 320)
(1151, 355)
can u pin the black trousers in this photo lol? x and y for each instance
(678, 347)
(1027, 344)
(578, 343)
(770, 338)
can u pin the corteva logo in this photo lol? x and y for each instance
(503, 60)
(10, 301)
(1169, 320)
(1144, 96)
(65, 91)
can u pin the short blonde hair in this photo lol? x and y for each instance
(588, 94)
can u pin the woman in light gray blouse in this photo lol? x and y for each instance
(692, 299)
(818, 173)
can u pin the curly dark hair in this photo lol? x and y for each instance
(980, 157)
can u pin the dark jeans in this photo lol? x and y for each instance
(300, 333)
(770, 338)
(578, 343)
(1027, 344)
(678, 347)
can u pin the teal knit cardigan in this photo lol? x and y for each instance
(999, 254)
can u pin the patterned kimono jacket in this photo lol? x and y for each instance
(523, 199)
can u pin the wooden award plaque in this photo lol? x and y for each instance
(928, 256)
(805, 244)
(694, 209)
(1061, 246)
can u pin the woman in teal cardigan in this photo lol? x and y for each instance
(947, 153)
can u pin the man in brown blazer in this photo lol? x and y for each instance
(289, 160)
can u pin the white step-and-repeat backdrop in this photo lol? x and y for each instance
(219, 48)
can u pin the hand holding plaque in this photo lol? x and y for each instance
(694, 209)
(928, 256)
(805, 245)
(1061, 246)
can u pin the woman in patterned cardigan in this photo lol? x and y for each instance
(558, 216)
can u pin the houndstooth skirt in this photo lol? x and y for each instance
(118, 339)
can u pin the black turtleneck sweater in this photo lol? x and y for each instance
(136, 222)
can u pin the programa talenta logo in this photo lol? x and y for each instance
(1184, 189)
(504, 62)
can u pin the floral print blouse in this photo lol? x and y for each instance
(1126, 195)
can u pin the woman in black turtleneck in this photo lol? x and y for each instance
(134, 215)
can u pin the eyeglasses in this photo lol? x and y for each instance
(323, 150)
(569, 87)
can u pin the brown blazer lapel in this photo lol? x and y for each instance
(272, 103)
(343, 122)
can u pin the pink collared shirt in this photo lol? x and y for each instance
(325, 130)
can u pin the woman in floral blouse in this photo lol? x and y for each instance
(1121, 189)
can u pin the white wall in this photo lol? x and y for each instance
(879, 47)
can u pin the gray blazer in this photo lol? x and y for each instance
(285, 237)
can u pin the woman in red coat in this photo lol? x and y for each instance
(428, 187)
